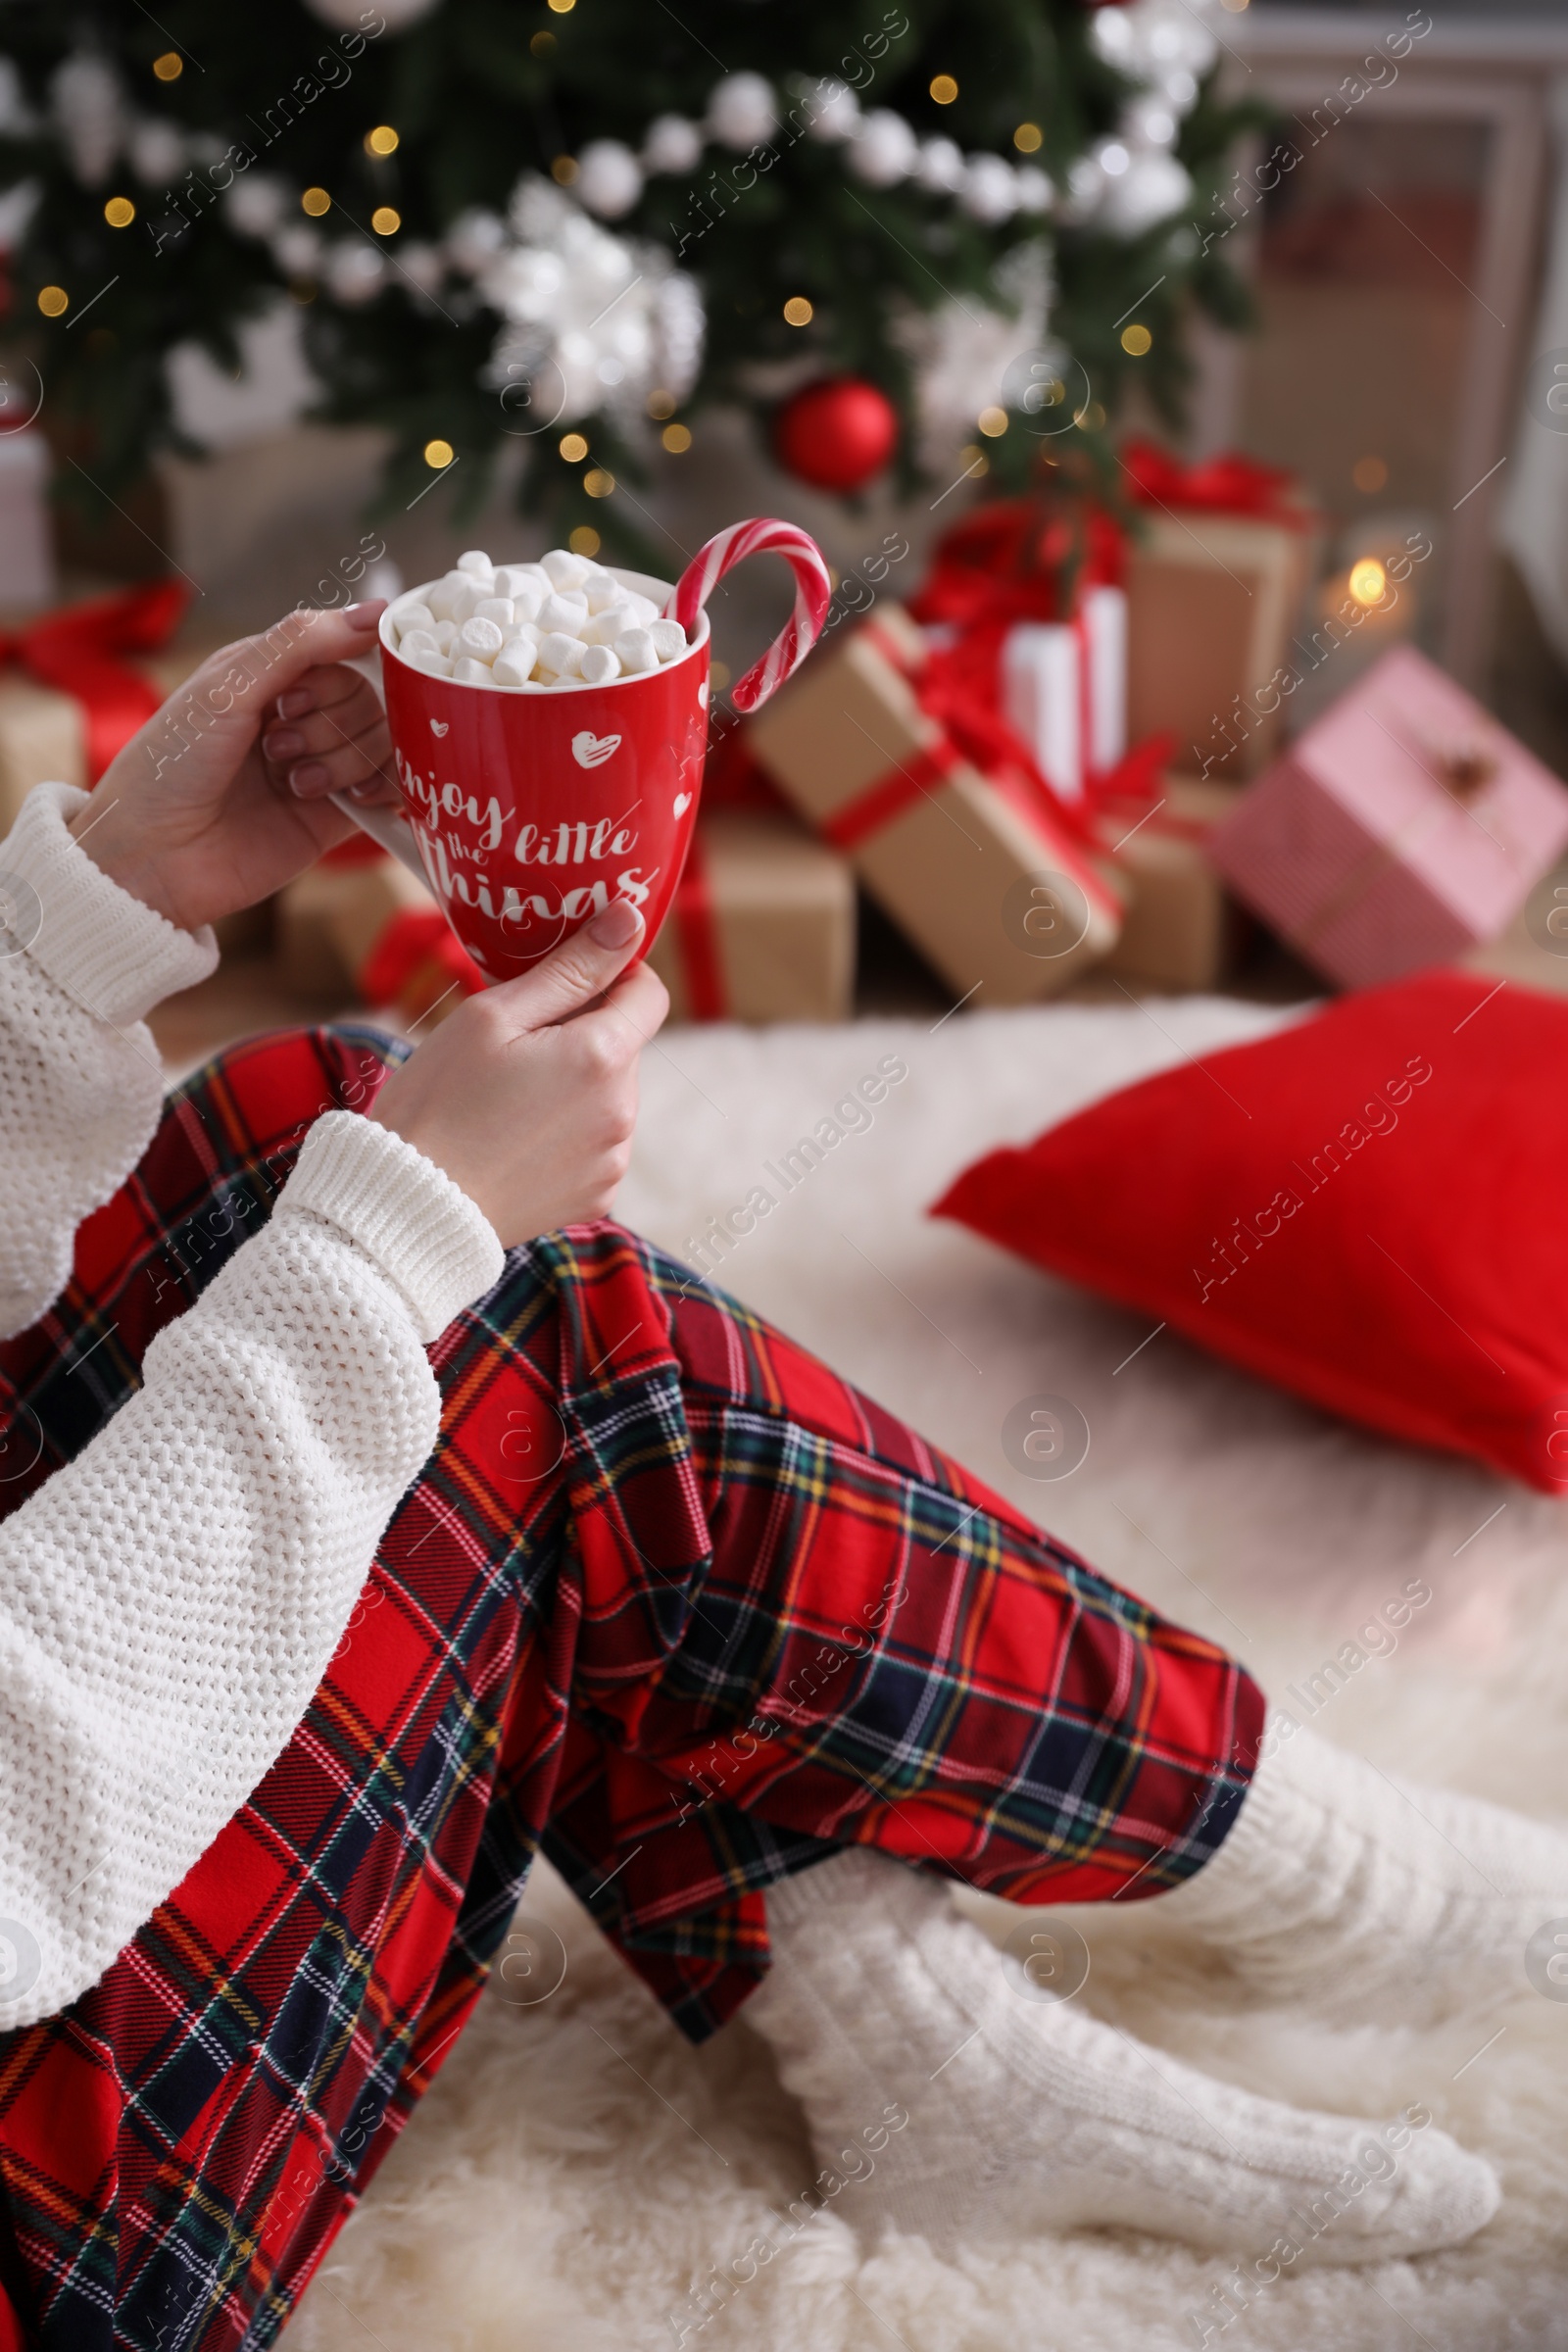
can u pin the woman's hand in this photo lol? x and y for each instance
(221, 798)
(527, 1095)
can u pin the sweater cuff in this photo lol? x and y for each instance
(403, 1210)
(114, 956)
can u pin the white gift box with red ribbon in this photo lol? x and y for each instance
(1064, 690)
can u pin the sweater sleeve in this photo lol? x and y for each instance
(171, 1600)
(81, 963)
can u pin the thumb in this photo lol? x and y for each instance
(577, 971)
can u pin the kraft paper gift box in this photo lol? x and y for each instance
(43, 729)
(761, 927)
(1212, 600)
(976, 869)
(1182, 929)
(1405, 826)
(358, 922)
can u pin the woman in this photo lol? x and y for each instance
(381, 1515)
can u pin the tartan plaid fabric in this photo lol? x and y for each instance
(670, 1600)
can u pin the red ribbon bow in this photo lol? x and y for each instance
(80, 653)
(1227, 484)
(1008, 560)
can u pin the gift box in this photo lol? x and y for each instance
(359, 923)
(1064, 690)
(1402, 827)
(1217, 579)
(1181, 928)
(81, 681)
(968, 851)
(761, 927)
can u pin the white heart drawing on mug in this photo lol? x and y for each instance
(683, 801)
(439, 727)
(592, 751)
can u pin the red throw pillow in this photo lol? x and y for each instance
(1370, 1208)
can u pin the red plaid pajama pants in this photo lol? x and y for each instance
(668, 1602)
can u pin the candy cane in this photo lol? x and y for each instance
(813, 592)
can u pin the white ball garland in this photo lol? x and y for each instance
(884, 150)
(348, 16)
(672, 144)
(989, 192)
(940, 169)
(832, 110)
(609, 178)
(741, 113)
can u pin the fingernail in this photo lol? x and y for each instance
(283, 743)
(295, 704)
(366, 615)
(616, 926)
(308, 776)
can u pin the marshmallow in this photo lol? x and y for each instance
(602, 591)
(635, 650)
(565, 570)
(528, 595)
(513, 664)
(440, 594)
(480, 640)
(560, 621)
(561, 654)
(513, 578)
(603, 628)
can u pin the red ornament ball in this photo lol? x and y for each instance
(836, 434)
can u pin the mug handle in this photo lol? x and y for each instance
(385, 825)
(814, 592)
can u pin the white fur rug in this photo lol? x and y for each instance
(578, 2170)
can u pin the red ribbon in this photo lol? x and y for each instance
(950, 688)
(1008, 560)
(698, 934)
(79, 652)
(855, 821)
(1227, 484)
(416, 960)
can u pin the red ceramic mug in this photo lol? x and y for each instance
(530, 810)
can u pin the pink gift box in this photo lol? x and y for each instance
(1400, 828)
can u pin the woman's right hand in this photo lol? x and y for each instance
(527, 1095)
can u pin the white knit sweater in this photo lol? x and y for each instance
(170, 1601)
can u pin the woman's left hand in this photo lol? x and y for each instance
(222, 796)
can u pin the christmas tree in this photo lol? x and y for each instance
(566, 226)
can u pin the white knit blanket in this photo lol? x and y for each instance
(578, 2170)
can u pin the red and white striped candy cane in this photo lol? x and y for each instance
(813, 591)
